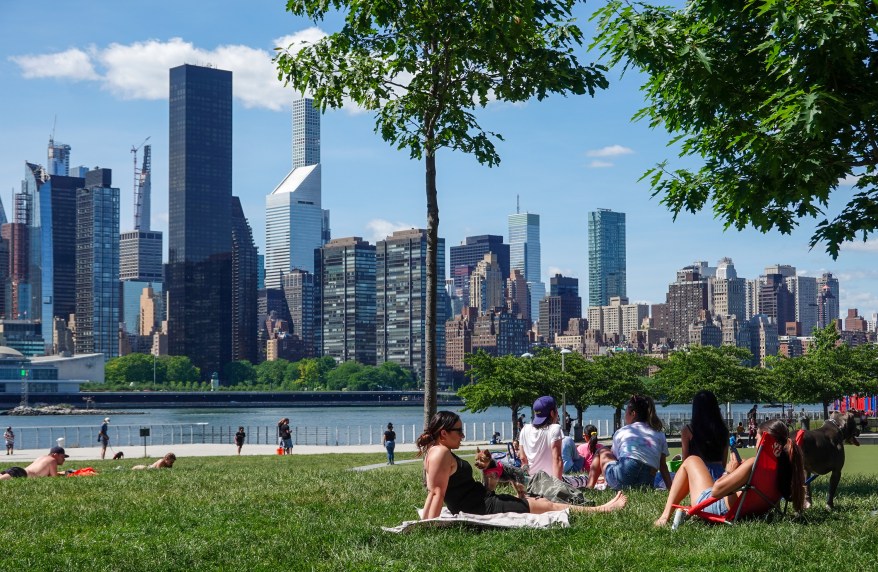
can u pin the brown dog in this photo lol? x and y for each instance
(823, 449)
(494, 472)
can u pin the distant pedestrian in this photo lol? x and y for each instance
(285, 436)
(239, 438)
(104, 436)
(10, 440)
(804, 420)
(389, 441)
(520, 424)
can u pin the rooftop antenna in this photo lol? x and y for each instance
(141, 175)
(52, 136)
(517, 204)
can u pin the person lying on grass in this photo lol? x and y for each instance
(693, 478)
(165, 462)
(45, 466)
(449, 479)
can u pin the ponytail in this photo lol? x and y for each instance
(441, 420)
(591, 433)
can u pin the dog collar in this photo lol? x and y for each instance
(836, 423)
(497, 471)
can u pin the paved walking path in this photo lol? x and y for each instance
(209, 450)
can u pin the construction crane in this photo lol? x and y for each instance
(141, 182)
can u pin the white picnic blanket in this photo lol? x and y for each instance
(500, 520)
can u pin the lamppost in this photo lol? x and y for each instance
(564, 352)
(153, 372)
(525, 355)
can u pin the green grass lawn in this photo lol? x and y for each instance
(310, 513)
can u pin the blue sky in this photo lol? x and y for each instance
(101, 69)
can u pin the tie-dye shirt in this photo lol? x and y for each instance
(640, 441)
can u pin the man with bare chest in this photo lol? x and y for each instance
(45, 466)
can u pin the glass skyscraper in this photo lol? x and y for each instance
(607, 276)
(306, 133)
(524, 255)
(199, 280)
(97, 265)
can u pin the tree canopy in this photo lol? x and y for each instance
(779, 98)
(720, 370)
(423, 68)
(620, 375)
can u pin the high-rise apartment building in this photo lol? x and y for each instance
(306, 133)
(244, 321)
(804, 292)
(346, 300)
(401, 291)
(607, 275)
(728, 292)
(59, 158)
(468, 254)
(562, 304)
(687, 297)
(199, 280)
(487, 284)
(776, 301)
(97, 265)
(299, 290)
(524, 255)
(518, 295)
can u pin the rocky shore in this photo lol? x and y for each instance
(64, 410)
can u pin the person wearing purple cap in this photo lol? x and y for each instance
(541, 439)
(45, 466)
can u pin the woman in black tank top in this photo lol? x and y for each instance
(449, 479)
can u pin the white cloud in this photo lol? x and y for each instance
(860, 246)
(609, 151)
(140, 70)
(73, 64)
(849, 181)
(596, 164)
(379, 229)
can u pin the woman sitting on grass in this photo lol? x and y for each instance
(694, 479)
(640, 450)
(449, 479)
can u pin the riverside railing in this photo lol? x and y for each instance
(343, 435)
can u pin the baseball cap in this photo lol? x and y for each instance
(58, 451)
(106, 419)
(543, 407)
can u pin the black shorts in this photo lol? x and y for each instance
(15, 472)
(495, 503)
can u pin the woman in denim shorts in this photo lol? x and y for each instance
(640, 450)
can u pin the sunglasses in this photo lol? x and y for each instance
(457, 430)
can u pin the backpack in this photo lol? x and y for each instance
(544, 485)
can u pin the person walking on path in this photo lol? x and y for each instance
(104, 436)
(389, 442)
(239, 438)
(285, 436)
(45, 466)
(9, 436)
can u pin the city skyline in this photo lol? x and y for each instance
(564, 157)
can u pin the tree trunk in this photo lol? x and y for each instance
(430, 381)
(825, 410)
(515, 408)
(617, 419)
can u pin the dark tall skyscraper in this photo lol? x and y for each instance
(244, 280)
(199, 280)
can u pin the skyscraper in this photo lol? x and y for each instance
(804, 291)
(466, 256)
(524, 255)
(244, 325)
(401, 292)
(606, 257)
(687, 297)
(295, 222)
(729, 292)
(199, 230)
(828, 305)
(346, 307)
(486, 284)
(299, 292)
(97, 265)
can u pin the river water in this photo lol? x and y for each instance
(311, 426)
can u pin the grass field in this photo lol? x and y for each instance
(311, 513)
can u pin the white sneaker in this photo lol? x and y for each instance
(679, 518)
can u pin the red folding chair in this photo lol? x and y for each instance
(759, 495)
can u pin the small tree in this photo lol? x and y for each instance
(621, 375)
(719, 370)
(423, 68)
(239, 373)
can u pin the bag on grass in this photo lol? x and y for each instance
(544, 485)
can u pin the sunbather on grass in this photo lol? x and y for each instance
(449, 479)
(693, 477)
